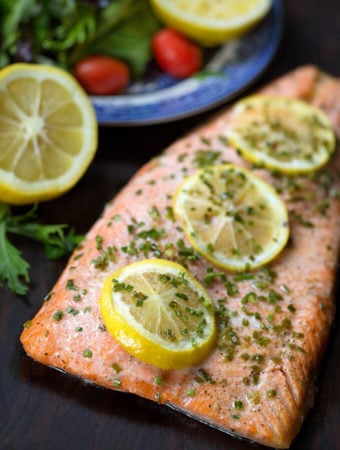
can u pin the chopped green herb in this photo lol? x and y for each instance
(58, 315)
(190, 392)
(181, 296)
(130, 229)
(270, 393)
(99, 242)
(291, 308)
(187, 252)
(206, 158)
(211, 276)
(254, 397)
(296, 347)
(105, 257)
(205, 375)
(116, 367)
(154, 212)
(87, 353)
(170, 214)
(71, 286)
(71, 310)
(159, 380)
(298, 217)
(78, 256)
(246, 381)
(238, 404)
(27, 324)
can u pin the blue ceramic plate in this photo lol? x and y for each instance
(229, 70)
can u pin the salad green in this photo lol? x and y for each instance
(62, 32)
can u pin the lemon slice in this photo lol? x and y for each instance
(287, 135)
(159, 313)
(211, 22)
(232, 217)
(48, 133)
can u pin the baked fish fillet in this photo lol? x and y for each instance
(269, 370)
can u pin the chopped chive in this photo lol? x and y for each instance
(87, 353)
(70, 285)
(190, 392)
(116, 367)
(270, 393)
(159, 380)
(238, 404)
(58, 315)
(73, 311)
(154, 213)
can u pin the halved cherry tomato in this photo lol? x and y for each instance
(102, 75)
(175, 53)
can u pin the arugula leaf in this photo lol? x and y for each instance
(56, 243)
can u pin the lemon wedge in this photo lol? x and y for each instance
(159, 313)
(283, 134)
(48, 133)
(232, 217)
(211, 22)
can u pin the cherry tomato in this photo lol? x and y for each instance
(176, 54)
(102, 75)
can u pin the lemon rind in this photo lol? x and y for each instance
(298, 166)
(17, 191)
(208, 31)
(235, 264)
(142, 344)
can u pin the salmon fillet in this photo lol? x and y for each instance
(258, 382)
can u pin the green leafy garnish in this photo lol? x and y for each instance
(64, 31)
(14, 269)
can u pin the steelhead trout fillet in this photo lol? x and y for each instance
(273, 323)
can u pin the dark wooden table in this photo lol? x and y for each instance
(42, 409)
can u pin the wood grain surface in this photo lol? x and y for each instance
(42, 409)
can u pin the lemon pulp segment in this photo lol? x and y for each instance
(232, 217)
(284, 134)
(211, 22)
(48, 133)
(159, 313)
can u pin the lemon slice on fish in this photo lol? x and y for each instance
(283, 134)
(211, 22)
(232, 217)
(48, 133)
(159, 313)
